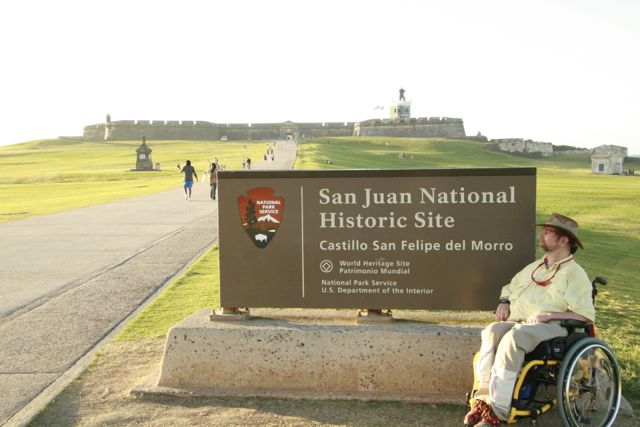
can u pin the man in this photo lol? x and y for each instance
(189, 173)
(530, 309)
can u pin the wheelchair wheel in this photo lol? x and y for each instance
(589, 386)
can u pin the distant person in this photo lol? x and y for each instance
(213, 180)
(189, 173)
(248, 163)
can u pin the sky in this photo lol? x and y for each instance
(566, 72)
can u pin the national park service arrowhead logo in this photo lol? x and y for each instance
(261, 214)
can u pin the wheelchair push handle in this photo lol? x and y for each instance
(599, 280)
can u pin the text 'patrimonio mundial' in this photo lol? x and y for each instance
(421, 219)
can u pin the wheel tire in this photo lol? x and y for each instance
(589, 386)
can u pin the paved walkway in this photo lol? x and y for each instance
(70, 279)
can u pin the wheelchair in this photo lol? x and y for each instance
(578, 374)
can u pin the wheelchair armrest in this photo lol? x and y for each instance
(572, 324)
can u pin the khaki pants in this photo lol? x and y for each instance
(501, 357)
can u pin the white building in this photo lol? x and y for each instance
(608, 159)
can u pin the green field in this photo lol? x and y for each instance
(43, 177)
(68, 173)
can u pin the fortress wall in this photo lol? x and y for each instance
(236, 126)
(309, 125)
(272, 131)
(265, 125)
(250, 125)
(265, 133)
(572, 152)
(442, 120)
(199, 130)
(519, 145)
(324, 131)
(250, 133)
(415, 130)
(337, 124)
(93, 132)
(242, 131)
(158, 130)
(341, 131)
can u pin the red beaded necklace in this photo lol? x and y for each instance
(547, 281)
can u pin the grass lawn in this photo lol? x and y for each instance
(47, 176)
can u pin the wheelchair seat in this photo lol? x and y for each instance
(555, 348)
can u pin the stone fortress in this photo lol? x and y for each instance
(399, 124)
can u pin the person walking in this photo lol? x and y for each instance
(213, 180)
(248, 163)
(189, 173)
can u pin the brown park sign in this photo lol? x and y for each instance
(415, 239)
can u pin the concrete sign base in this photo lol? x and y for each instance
(321, 358)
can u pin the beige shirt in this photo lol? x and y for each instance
(569, 290)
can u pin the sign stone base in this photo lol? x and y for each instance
(317, 357)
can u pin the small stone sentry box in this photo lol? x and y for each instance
(143, 157)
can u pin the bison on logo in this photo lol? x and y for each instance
(261, 214)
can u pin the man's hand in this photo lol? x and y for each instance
(503, 311)
(539, 318)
